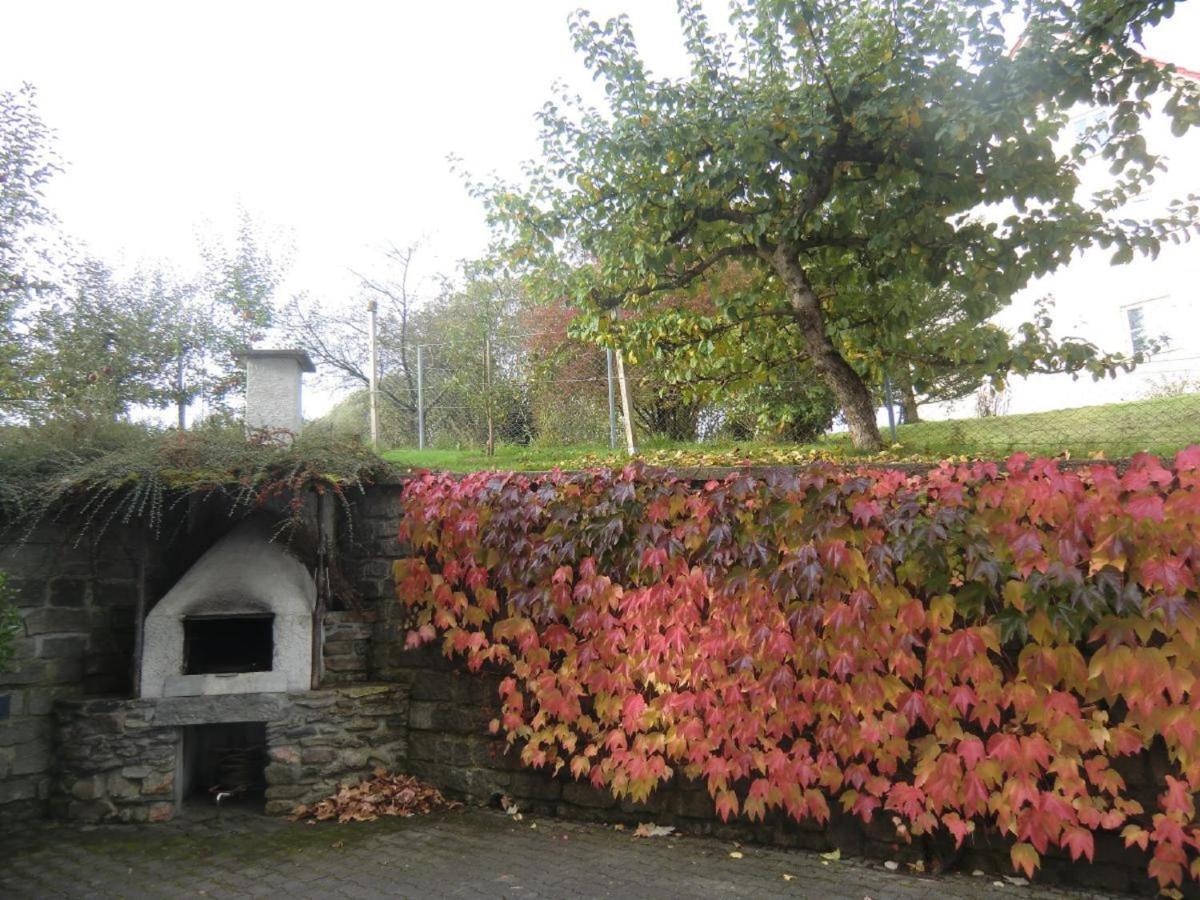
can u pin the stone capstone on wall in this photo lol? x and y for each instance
(118, 759)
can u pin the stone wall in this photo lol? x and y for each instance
(113, 763)
(450, 746)
(333, 736)
(347, 646)
(371, 546)
(118, 759)
(77, 601)
(380, 706)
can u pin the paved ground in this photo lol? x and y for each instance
(465, 853)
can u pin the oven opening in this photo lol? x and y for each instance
(225, 761)
(221, 645)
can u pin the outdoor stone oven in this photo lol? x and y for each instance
(240, 621)
(231, 701)
(232, 698)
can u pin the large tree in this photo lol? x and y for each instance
(839, 149)
(27, 162)
(231, 308)
(105, 344)
(102, 344)
(336, 336)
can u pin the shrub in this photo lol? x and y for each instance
(123, 472)
(960, 648)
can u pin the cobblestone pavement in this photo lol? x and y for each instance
(464, 853)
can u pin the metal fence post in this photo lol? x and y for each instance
(373, 382)
(420, 398)
(612, 402)
(487, 381)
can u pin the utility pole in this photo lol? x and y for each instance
(372, 309)
(487, 380)
(180, 397)
(420, 398)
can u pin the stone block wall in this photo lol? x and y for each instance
(368, 550)
(412, 711)
(450, 746)
(77, 600)
(347, 645)
(333, 736)
(113, 763)
(118, 759)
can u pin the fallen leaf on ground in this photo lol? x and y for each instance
(787, 877)
(382, 795)
(832, 855)
(510, 807)
(649, 830)
(736, 854)
(918, 866)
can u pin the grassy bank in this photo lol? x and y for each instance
(1113, 431)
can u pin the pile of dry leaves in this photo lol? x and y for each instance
(383, 795)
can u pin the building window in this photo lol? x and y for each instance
(1136, 317)
(1092, 123)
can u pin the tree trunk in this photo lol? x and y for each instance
(852, 395)
(180, 403)
(908, 396)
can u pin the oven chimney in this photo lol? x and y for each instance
(273, 388)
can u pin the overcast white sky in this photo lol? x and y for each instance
(330, 122)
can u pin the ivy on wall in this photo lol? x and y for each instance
(970, 647)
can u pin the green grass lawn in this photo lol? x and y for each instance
(1114, 430)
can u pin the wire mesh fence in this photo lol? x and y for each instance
(1161, 425)
(547, 389)
(540, 388)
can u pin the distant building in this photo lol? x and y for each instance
(1121, 308)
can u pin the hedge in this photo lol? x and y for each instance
(969, 647)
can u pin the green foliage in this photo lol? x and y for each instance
(453, 331)
(94, 345)
(27, 163)
(11, 625)
(851, 157)
(122, 473)
(106, 345)
(230, 308)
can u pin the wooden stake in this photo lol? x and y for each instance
(626, 405)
